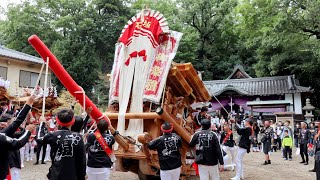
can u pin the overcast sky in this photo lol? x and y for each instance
(4, 4)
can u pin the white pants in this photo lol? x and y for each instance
(47, 158)
(29, 151)
(209, 172)
(255, 149)
(22, 153)
(226, 165)
(98, 173)
(173, 174)
(15, 173)
(239, 163)
(232, 151)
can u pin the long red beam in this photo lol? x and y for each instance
(64, 76)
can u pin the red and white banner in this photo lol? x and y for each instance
(139, 38)
(160, 66)
(114, 80)
(134, 55)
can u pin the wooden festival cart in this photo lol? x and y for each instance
(4, 95)
(183, 87)
(51, 103)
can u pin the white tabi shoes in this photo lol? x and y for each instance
(237, 178)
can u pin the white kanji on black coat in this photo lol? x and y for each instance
(170, 145)
(204, 140)
(96, 147)
(66, 148)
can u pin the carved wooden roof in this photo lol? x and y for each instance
(4, 95)
(51, 103)
(184, 81)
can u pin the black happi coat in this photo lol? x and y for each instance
(97, 157)
(67, 155)
(304, 136)
(245, 134)
(198, 118)
(230, 141)
(267, 134)
(14, 156)
(7, 143)
(14, 159)
(167, 146)
(43, 131)
(208, 151)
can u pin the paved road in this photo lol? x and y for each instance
(254, 170)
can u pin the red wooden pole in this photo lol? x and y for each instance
(64, 76)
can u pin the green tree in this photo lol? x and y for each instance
(22, 21)
(81, 33)
(213, 22)
(109, 18)
(284, 38)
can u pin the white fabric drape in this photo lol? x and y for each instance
(115, 73)
(129, 74)
(134, 75)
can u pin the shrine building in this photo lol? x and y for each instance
(265, 96)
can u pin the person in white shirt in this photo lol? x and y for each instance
(215, 120)
(222, 121)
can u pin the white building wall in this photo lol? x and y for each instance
(297, 103)
(13, 73)
(289, 97)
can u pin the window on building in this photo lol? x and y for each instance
(3, 72)
(29, 79)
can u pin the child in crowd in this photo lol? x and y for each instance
(287, 145)
(275, 143)
(260, 146)
(255, 147)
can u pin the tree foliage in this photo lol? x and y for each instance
(284, 36)
(217, 48)
(80, 33)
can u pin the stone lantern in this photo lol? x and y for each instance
(308, 108)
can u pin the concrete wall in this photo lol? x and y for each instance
(297, 103)
(289, 97)
(13, 72)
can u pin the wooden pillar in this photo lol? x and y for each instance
(185, 135)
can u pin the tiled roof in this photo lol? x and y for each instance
(241, 69)
(256, 86)
(10, 53)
